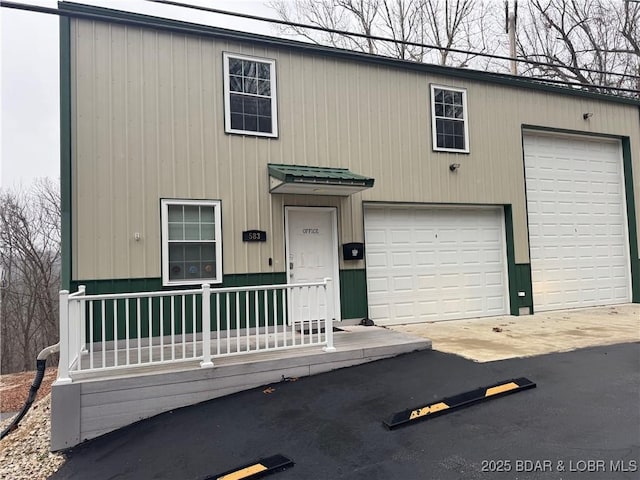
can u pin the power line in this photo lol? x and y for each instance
(383, 39)
(188, 28)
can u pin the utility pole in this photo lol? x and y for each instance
(511, 17)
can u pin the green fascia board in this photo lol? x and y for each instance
(88, 12)
(326, 175)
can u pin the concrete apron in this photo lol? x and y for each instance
(497, 338)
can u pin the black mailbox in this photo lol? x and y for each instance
(353, 251)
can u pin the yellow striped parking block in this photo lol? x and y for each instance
(457, 402)
(256, 469)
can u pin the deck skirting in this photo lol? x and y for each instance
(92, 406)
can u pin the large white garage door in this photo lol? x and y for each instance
(576, 210)
(431, 264)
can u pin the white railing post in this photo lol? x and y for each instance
(63, 366)
(206, 326)
(72, 342)
(82, 290)
(328, 323)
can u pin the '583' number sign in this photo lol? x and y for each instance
(254, 236)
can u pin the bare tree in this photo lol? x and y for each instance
(573, 35)
(410, 24)
(331, 16)
(30, 264)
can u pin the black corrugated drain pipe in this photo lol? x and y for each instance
(41, 364)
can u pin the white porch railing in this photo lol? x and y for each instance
(116, 331)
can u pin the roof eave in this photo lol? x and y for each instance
(119, 16)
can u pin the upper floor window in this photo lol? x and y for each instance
(250, 95)
(449, 124)
(191, 242)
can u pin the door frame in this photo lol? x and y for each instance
(333, 211)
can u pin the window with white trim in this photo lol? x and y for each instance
(449, 123)
(250, 95)
(191, 242)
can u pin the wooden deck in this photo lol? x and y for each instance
(100, 402)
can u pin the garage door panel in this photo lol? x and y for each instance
(493, 279)
(618, 271)
(379, 311)
(448, 258)
(379, 284)
(619, 291)
(427, 282)
(452, 261)
(425, 259)
(401, 284)
(400, 237)
(575, 204)
(425, 236)
(376, 259)
(377, 237)
(495, 304)
(491, 255)
(401, 259)
(473, 279)
(470, 257)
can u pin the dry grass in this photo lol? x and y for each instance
(14, 388)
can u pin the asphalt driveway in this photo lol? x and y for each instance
(582, 422)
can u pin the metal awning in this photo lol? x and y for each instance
(305, 180)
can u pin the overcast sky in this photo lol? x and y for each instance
(29, 81)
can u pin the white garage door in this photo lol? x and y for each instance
(576, 210)
(431, 264)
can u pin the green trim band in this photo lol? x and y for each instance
(115, 312)
(148, 21)
(631, 220)
(353, 294)
(154, 284)
(65, 152)
(519, 273)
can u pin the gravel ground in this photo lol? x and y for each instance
(24, 453)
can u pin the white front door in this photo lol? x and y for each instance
(312, 255)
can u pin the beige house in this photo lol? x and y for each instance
(197, 155)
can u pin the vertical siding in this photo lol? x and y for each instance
(148, 118)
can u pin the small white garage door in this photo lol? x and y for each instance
(431, 264)
(576, 213)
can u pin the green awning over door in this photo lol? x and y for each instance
(305, 180)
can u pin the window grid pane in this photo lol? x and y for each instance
(250, 97)
(449, 117)
(192, 242)
(193, 260)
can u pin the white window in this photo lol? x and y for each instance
(250, 95)
(449, 119)
(191, 242)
